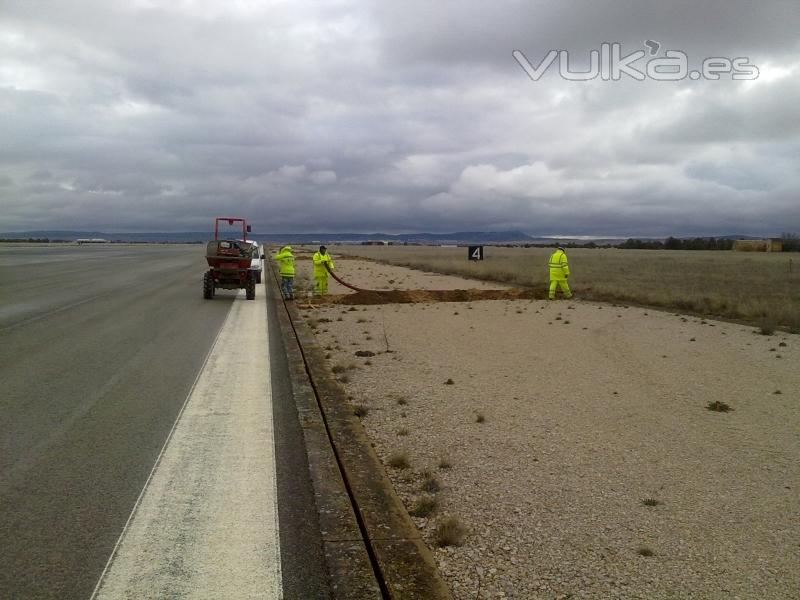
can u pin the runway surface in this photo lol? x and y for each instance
(99, 350)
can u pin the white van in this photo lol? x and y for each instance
(257, 262)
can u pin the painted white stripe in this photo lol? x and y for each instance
(206, 525)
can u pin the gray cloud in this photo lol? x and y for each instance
(349, 115)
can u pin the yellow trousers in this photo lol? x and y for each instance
(320, 284)
(562, 283)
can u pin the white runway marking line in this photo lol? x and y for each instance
(206, 524)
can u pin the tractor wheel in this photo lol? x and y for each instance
(258, 277)
(251, 289)
(208, 286)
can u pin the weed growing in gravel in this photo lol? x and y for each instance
(402, 401)
(367, 363)
(424, 506)
(338, 368)
(449, 532)
(430, 484)
(360, 411)
(766, 326)
(718, 406)
(449, 382)
(777, 392)
(361, 320)
(651, 501)
(402, 431)
(344, 379)
(645, 551)
(445, 463)
(480, 418)
(399, 460)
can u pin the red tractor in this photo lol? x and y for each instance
(229, 262)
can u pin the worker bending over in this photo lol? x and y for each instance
(285, 260)
(559, 273)
(321, 260)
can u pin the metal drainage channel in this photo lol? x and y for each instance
(354, 504)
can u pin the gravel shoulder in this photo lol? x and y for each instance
(588, 409)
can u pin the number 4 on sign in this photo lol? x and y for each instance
(475, 253)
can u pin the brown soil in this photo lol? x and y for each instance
(373, 297)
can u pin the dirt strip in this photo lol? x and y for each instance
(372, 297)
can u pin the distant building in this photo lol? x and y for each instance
(767, 245)
(92, 241)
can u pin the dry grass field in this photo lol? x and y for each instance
(763, 289)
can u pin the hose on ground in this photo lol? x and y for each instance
(344, 283)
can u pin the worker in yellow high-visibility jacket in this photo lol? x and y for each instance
(321, 260)
(559, 273)
(285, 260)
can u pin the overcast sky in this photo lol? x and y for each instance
(350, 115)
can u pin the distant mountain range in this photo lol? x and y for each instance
(300, 238)
(484, 237)
(459, 237)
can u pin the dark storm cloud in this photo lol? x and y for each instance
(349, 115)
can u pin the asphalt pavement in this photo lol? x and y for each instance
(99, 348)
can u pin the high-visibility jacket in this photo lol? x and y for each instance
(559, 267)
(285, 260)
(320, 260)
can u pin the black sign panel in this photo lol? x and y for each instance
(475, 253)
